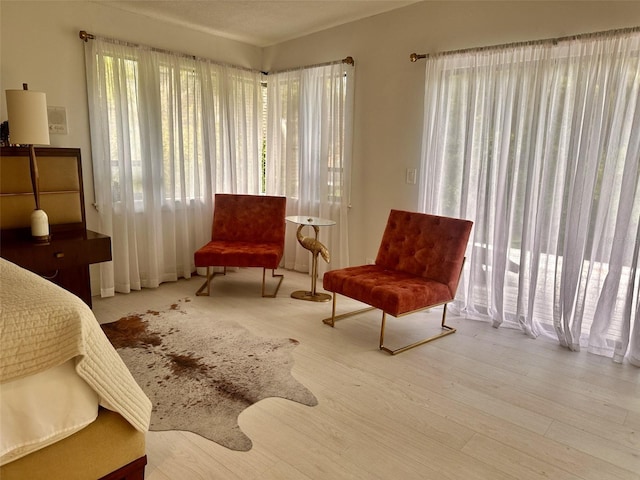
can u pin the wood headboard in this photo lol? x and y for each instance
(61, 192)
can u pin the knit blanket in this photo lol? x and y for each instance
(43, 326)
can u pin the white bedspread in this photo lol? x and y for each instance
(41, 409)
(43, 325)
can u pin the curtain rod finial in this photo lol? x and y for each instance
(414, 57)
(85, 36)
(348, 61)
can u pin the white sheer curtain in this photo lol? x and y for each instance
(539, 145)
(309, 138)
(167, 131)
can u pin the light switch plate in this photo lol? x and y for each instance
(411, 176)
(57, 120)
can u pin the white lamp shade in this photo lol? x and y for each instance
(28, 121)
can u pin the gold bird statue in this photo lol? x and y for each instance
(312, 244)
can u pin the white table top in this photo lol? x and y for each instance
(305, 220)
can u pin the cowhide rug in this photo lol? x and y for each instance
(201, 372)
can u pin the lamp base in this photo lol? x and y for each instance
(40, 227)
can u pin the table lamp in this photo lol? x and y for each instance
(29, 125)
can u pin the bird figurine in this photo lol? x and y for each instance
(312, 244)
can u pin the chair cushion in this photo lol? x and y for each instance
(248, 231)
(223, 253)
(424, 245)
(394, 292)
(249, 218)
(418, 264)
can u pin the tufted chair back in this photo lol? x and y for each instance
(425, 245)
(249, 218)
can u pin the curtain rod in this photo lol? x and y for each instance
(85, 36)
(414, 57)
(347, 60)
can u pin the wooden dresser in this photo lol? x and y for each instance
(66, 258)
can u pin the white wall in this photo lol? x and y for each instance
(389, 88)
(40, 46)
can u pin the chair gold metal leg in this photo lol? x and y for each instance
(207, 283)
(447, 331)
(273, 275)
(331, 321)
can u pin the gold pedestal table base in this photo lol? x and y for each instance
(310, 296)
(316, 248)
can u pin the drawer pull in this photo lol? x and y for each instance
(59, 254)
(51, 277)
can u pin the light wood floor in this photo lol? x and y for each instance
(483, 403)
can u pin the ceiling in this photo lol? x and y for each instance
(258, 22)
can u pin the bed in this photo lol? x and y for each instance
(69, 408)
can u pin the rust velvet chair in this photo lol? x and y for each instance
(418, 266)
(247, 231)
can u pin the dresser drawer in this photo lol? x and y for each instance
(65, 260)
(60, 253)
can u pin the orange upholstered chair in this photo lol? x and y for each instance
(248, 231)
(418, 266)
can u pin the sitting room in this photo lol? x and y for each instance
(241, 177)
